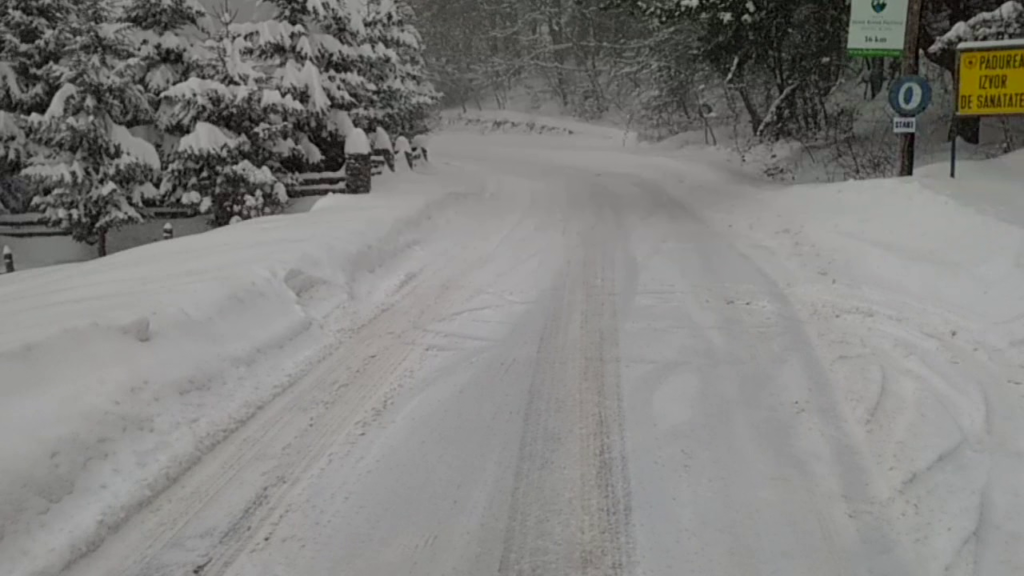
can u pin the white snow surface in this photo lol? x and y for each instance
(357, 142)
(733, 377)
(381, 139)
(163, 350)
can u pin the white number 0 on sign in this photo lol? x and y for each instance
(910, 95)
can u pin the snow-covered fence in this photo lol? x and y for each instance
(8, 260)
(170, 213)
(318, 184)
(32, 225)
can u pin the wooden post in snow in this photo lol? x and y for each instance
(168, 231)
(910, 68)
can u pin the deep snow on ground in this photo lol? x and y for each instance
(118, 373)
(812, 378)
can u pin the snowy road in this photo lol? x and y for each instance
(574, 374)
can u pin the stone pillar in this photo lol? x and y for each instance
(358, 173)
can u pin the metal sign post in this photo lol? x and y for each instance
(989, 82)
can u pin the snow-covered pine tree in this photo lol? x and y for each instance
(169, 55)
(92, 172)
(28, 43)
(347, 60)
(288, 49)
(234, 135)
(404, 95)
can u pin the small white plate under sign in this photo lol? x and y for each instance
(902, 125)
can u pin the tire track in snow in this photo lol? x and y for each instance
(570, 511)
(249, 477)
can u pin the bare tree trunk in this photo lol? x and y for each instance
(755, 117)
(101, 244)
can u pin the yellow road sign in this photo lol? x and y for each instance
(991, 82)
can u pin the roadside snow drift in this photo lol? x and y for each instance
(117, 374)
(913, 292)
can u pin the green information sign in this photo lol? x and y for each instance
(877, 27)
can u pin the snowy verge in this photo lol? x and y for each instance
(911, 292)
(116, 375)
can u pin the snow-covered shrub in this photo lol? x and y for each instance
(210, 172)
(92, 172)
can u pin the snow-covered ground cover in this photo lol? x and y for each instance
(117, 374)
(911, 291)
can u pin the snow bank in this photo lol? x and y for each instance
(117, 374)
(911, 291)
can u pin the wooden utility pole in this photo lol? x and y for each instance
(910, 68)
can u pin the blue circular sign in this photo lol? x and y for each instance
(910, 95)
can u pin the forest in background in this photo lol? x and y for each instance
(744, 72)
